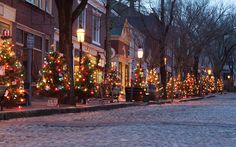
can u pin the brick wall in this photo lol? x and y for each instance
(31, 19)
(88, 32)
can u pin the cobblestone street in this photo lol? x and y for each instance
(209, 122)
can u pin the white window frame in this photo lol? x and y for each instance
(31, 1)
(83, 19)
(50, 6)
(97, 38)
(41, 4)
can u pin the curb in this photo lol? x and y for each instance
(52, 111)
(191, 99)
(181, 100)
(197, 98)
(159, 102)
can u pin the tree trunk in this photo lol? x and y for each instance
(217, 77)
(195, 70)
(65, 41)
(108, 39)
(163, 68)
(231, 80)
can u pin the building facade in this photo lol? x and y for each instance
(28, 17)
(40, 19)
(125, 42)
(92, 20)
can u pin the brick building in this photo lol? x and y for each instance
(92, 20)
(125, 42)
(24, 17)
(39, 18)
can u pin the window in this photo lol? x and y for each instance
(96, 29)
(77, 52)
(121, 71)
(40, 4)
(37, 64)
(131, 49)
(38, 42)
(4, 26)
(19, 36)
(46, 45)
(57, 46)
(82, 19)
(48, 6)
(45, 5)
(31, 1)
(126, 75)
(25, 38)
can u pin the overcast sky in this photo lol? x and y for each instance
(227, 2)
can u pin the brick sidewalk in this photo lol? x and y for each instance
(33, 111)
(40, 108)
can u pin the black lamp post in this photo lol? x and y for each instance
(80, 38)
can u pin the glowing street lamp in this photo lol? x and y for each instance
(140, 55)
(209, 71)
(80, 38)
(165, 60)
(209, 74)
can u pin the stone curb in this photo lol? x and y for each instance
(159, 102)
(52, 111)
(181, 100)
(196, 98)
(191, 99)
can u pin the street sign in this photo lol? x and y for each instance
(30, 41)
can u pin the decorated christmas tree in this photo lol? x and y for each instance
(152, 78)
(208, 84)
(114, 77)
(53, 78)
(205, 83)
(177, 88)
(138, 80)
(212, 87)
(169, 88)
(114, 80)
(220, 85)
(85, 80)
(11, 74)
(189, 85)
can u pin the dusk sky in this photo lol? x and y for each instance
(227, 2)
